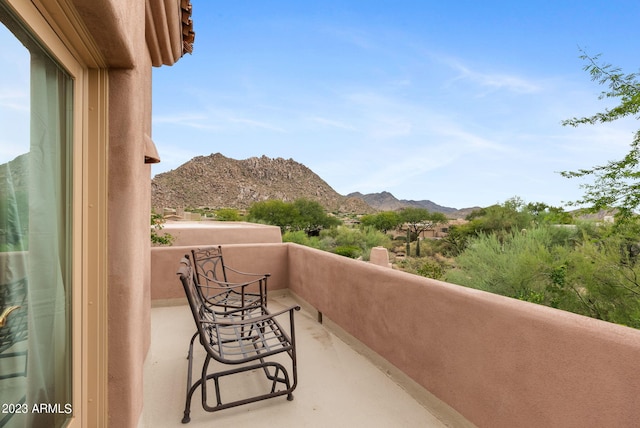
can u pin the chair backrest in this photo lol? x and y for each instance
(194, 298)
(202, 316)
(208, 265)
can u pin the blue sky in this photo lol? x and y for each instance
(456, 102)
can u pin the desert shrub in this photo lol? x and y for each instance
(228, 214)
(517, 265)
(326, 243)
(297, 237)
(350, 251)
(586, 270)
(158, 238)
(431, 269)
(602, 277)
(362, 238)
(375, 238)
(427, 266)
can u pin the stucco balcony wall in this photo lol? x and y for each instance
(228, 232)
(267, 257)
(499, 362)
(256, 258)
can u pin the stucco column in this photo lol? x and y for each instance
(379, 256)
(129, 244)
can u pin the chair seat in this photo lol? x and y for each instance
(235, 338)
(232, 299)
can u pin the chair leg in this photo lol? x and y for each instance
(187, 407)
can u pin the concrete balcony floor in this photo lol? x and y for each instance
(337, 386)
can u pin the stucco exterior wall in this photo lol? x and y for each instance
(499, 362)
(129, 243)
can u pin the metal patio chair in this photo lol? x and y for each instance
(213, 277)
(246, 340)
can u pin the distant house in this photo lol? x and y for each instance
(442, 230)
(87, 259)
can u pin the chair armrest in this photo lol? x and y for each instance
(226, 285)
(247, 273)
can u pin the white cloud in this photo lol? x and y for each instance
(391, 127)
(255, 124)
(332, 123)
(14, 99)
(214, 121)
(191, 120)
(492, 81)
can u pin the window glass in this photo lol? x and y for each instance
(35, 231)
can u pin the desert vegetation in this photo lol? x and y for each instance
(539, 254)
(527, 251)
(589, 267)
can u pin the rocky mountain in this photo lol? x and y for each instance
(14, 175)
(385, 201)
(216, 181)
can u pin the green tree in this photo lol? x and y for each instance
(543, 213)
(418, 220)
(616, 184)
(302, 214)
(274, 212)
(383, 221)
(311, 216)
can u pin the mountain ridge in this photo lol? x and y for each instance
(216, 181)
(385, 201)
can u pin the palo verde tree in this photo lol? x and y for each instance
(311, 216)
(418, 220)
(382, 221)
(302, 214)
(617, 183)
(274, 212)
